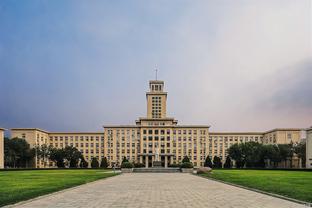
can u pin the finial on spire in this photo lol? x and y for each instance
(156, 70)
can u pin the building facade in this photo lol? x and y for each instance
(155, 135)
(309, 149)
(1, 148)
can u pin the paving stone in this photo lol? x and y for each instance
(167, 190)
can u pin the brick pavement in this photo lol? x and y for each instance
(158, 190)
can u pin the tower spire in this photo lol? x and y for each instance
(156, 71)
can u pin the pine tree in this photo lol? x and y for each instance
(104, 163)
(208, 162)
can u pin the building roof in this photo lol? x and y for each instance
(236, 133)
(156, 81)
(309, 129)
(29, 129)
(121, 126)
(2, 129)
(284, 129)
(76, 133)
(192, 126)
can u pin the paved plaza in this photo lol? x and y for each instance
(158, 190)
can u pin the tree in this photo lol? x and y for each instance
(208, 162)
(235, 152)
(217, 162)
(300, 150)
(58, 156)
(72, 155)
(43, 152)
(252, 154)
(17, 153)
(228, 162)
(94, 163)
(186, 159)
(83, 163)
(104, 163)
(286, 152)
(124, 160)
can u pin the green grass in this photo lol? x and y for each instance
(16, 186)
(293, 184)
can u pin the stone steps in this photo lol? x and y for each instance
(156, 170)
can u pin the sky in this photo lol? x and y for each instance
(74, 65)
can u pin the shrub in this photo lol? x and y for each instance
(104, 163)
(186, 159)
(94, 163)
(187, 165)
(174, 165)
(139, 165)
(126, 165)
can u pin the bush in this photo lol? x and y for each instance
(126, 165)
(139, 165)
(174, 165)
(94, 163)
(187, 165)
(186, 159)
(104, 163)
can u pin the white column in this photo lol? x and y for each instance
(146, 161)
(141, 159)
(166, 161)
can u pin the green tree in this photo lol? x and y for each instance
(94, 163)
(208, 162)
(228, 162)
(186, 159)
(72, 155)
(43, 152)
(300, 150)
(252, 153)
(83, 163)
(286, 152)
(17, 153)
(104, 163)
(236, 153)
(217, 162)
(58, 156)
(124, 160)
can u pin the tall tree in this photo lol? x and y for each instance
(43, 152)
(235, 152)
(104, 163)
(286, 152)
(58, 156)
(17, 153)
(72, 155)
(208, 162)
(300, 150)
(94, 163)
(228, 162)
(217, 162)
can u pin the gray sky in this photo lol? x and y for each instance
(235, 65)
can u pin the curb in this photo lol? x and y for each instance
(55, 193)
(260, 191)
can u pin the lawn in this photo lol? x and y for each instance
(293, 184)
(16, 186)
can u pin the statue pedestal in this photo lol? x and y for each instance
(157, 164)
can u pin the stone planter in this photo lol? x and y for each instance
(187, 170)
(126, 170)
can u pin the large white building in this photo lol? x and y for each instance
(155, 134)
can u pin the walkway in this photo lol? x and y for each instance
(158, 190)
